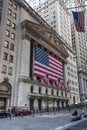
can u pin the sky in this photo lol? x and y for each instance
(26, 0)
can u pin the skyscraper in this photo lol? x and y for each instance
(79, 43)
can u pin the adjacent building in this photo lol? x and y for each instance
(79, 43)
(25, 79)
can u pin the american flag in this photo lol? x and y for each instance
(80, 1)
(68, 86)
(46, 78)
(59, 83)
(45, 63)
(79, 20)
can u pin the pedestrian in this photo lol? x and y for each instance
(10, 110)
(75, 113)
(13, 110)
(69, 107)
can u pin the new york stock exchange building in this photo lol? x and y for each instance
(39, 75)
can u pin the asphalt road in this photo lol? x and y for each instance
(57, 121)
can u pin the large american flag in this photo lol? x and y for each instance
(79, 20)
(46, 64)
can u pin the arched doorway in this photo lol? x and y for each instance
(5, 94)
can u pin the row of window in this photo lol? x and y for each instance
(5, 57)
(13, 4)
(4, 70)
(7, 45)
(7, 33)
(14, 15)
(73, 83)
(13, 25)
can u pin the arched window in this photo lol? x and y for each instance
(32, 89)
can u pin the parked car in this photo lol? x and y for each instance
(26, 112)
(3, 113)
(20, 112)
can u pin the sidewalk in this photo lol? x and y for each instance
(59, 113)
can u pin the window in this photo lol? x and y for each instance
(5, 56)
(15, 6)
(6, 44)
(13, 25)
(8, 22)
(7, 33)
(10, 70)
(9, 12)
(14, 16)
(10, 58)
(13, 36)
(10, 2)
(12, 47)
(4, 69)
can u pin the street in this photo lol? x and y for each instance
(52, 121)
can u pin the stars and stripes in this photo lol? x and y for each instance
(79, 21)
(46, 78)
(59, 83)
(45, 63)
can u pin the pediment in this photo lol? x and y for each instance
(46, 34)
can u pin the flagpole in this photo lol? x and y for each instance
(77, 7)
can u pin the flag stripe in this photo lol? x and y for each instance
(79, 20)
(45, 63)
(47, 69)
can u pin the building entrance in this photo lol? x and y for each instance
(5, 94)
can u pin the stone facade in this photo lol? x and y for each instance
(27, 90)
